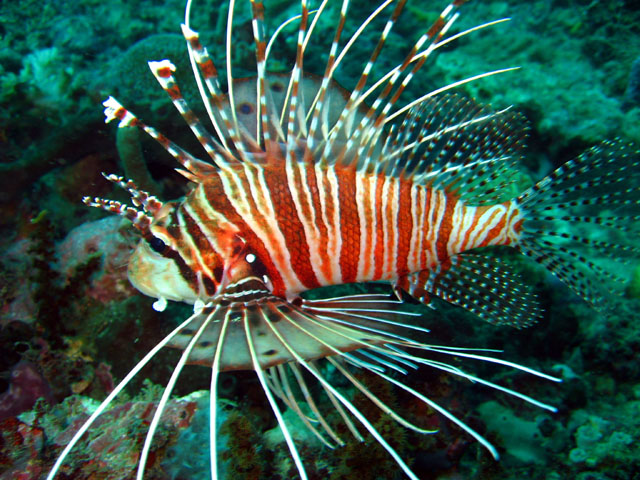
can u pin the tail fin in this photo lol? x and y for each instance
(582, 221)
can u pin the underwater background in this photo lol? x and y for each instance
(71, 325)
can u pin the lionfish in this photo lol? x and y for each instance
(309, 185)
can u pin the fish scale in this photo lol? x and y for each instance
(310, 185)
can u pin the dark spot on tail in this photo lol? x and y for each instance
(245, 108)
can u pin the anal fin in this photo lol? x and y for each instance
(480, 284)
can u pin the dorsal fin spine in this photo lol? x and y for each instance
(114, 110)
(349, 108)
(317, 104)
(233, 127)
(435, 33)
(262, 119)
(163, 71)
(424, 55)
(364, 132)
(296, 73)
(199, 56)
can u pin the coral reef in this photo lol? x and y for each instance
(632, 93)
(110, 452)
(520, 438)
(27, 385)
(108, 240)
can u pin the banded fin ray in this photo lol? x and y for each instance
(246, 117)
(399, 356)
(309, 85)
(115, 111)
(273, 377)
(359, 135)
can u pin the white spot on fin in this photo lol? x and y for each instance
(160, 304)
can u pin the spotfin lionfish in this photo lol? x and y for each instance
(309, 185)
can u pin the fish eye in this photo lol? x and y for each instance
(156, 244)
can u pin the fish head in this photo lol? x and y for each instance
(159, 266)
(185, 258)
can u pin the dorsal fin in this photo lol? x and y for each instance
(444, 143)
(453, 143)
(276, 87)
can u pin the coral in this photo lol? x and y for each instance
(110, 452)
(188, 456)
(369, 459)
(611, 343)
(589, 434)
(633, 289)
(42, 86)
(51, 301)
(106, 242)
(16, 301)
(47, 79)
(50, 278)
(632, 93)
(597, 442)
(133, 162)
(21, 448)
(520, 438)
(46, 280)
(24, 163)
(241, 453)
(572, 95)
(27, 385)
(55, 292)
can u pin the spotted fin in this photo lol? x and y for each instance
(480, 284)
(581, 222)
(452, 143)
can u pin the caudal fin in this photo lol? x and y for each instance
(582, 222)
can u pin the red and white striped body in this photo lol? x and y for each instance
(298, 226)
